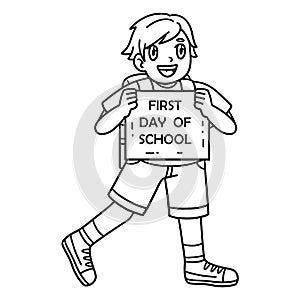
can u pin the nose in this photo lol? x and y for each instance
(171, 58)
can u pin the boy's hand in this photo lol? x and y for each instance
(203, 102)
(128, 101)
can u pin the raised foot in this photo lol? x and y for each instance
(78, 252)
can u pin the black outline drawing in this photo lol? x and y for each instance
(149, 34)
(175, 157)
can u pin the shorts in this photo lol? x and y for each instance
(185, 188)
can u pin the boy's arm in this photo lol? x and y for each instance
(123, 101)
(215, 108)
(223, 122)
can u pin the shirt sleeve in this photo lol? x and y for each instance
(114, 99)
(218, 100)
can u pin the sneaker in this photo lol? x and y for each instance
(78, 252)
(206, 273)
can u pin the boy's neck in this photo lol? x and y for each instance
(166, 84)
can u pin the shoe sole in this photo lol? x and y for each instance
(73, 263)
(211, 283)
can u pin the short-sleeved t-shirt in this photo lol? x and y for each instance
(218, 101)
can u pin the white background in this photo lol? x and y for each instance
(56, 57)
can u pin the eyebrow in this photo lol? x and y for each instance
(180, 40)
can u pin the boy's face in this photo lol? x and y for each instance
(170, 61)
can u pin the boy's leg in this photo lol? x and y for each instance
(197, 270)
(129, 195)
(77, 245)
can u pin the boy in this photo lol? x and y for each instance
(161, 47)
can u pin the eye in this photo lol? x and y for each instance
(180, 51)
(153, 52)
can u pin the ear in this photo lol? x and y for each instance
(139, 63)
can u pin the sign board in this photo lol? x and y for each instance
(166, 126)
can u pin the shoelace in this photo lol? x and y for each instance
(87, 257)
(213, 267)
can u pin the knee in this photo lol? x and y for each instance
(130, 215)
(122, 213)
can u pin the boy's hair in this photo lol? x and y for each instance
(157, 28)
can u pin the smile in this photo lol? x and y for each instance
(167, 70)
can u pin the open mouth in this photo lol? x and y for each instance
(167, 70)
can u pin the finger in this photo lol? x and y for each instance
(198, 105)
(130, 92)
(202, 91)
(132, 102)
(200, 97)
(200, 102)
(132, 97)
(133, 106)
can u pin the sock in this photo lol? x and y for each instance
(102, 225)
(192, 240)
